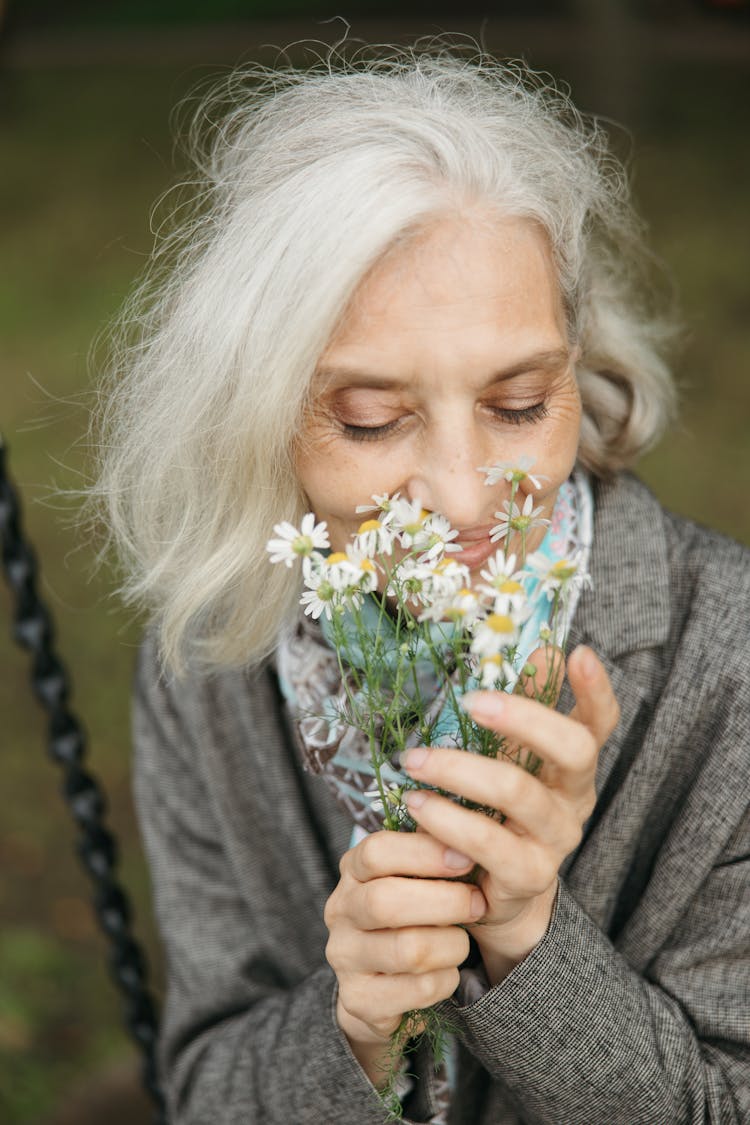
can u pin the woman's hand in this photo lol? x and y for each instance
(545, 814)
(395, 941)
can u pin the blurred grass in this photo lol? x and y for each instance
(84, 153)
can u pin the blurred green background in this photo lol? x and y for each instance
(85, 149)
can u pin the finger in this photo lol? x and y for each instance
(495, 783)
(400, 853)
(558, 739)
(391, 903)
(379, 1000)
(545, 681)
(520, 865)
(596, 705)
(411, 949)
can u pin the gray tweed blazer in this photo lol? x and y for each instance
(635, 1007)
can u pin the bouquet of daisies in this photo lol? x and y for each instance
(412, 633)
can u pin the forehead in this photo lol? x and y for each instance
(456, 289)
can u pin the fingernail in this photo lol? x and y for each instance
(416, 757)
(414, 798)
(477, 904)
(452, 858)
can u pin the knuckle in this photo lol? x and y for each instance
(514, 784)
(446, 983)
(542, 870)
(366, 857)
(331, 911)
(375, 903)
(332, 952)
(413, 951)
(425, 989)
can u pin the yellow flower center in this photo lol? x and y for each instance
(494, 659)
(302, 545)
(499, 623)
(510, 587)
(337, 557)
(563, 569)
(367, 564)
(369, 525)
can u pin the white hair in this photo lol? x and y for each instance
(305, 181)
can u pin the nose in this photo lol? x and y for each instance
(445, 476)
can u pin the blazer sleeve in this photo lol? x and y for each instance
(579, 1036)
(640, 1013)
(244, 1037)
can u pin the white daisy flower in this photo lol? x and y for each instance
(500, 570)
(374, 537)
(293, 544)
(367, 579)
(503, 585)
(564, 574)
(494, 633)
(438, 543)
(463, 607)
(447, 577)
(512, 471)
(383, 503)
(344, 570)
(321, 596)
(515, 519)
(494, 672)
(412, 581)
(393, 794)
(408, 522)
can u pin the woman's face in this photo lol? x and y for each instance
(454, 354)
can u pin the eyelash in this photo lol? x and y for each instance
(533, 413)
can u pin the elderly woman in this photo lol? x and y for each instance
(400, 272)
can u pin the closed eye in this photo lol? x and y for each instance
(369, 433)
(515, 417)
(533, 413)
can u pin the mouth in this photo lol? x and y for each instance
(476, 548)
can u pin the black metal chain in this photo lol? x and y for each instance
(96, 847)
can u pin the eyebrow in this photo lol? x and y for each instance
(548, 360)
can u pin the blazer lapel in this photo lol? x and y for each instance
(625, 616)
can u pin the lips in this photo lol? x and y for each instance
(476, 549)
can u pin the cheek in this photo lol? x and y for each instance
(336, 480)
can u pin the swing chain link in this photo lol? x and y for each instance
(97, 848)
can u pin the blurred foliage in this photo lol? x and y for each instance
(90, 13)
(84, 153)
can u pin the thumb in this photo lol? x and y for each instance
(542, 675)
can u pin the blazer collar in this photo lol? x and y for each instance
(627, 607)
